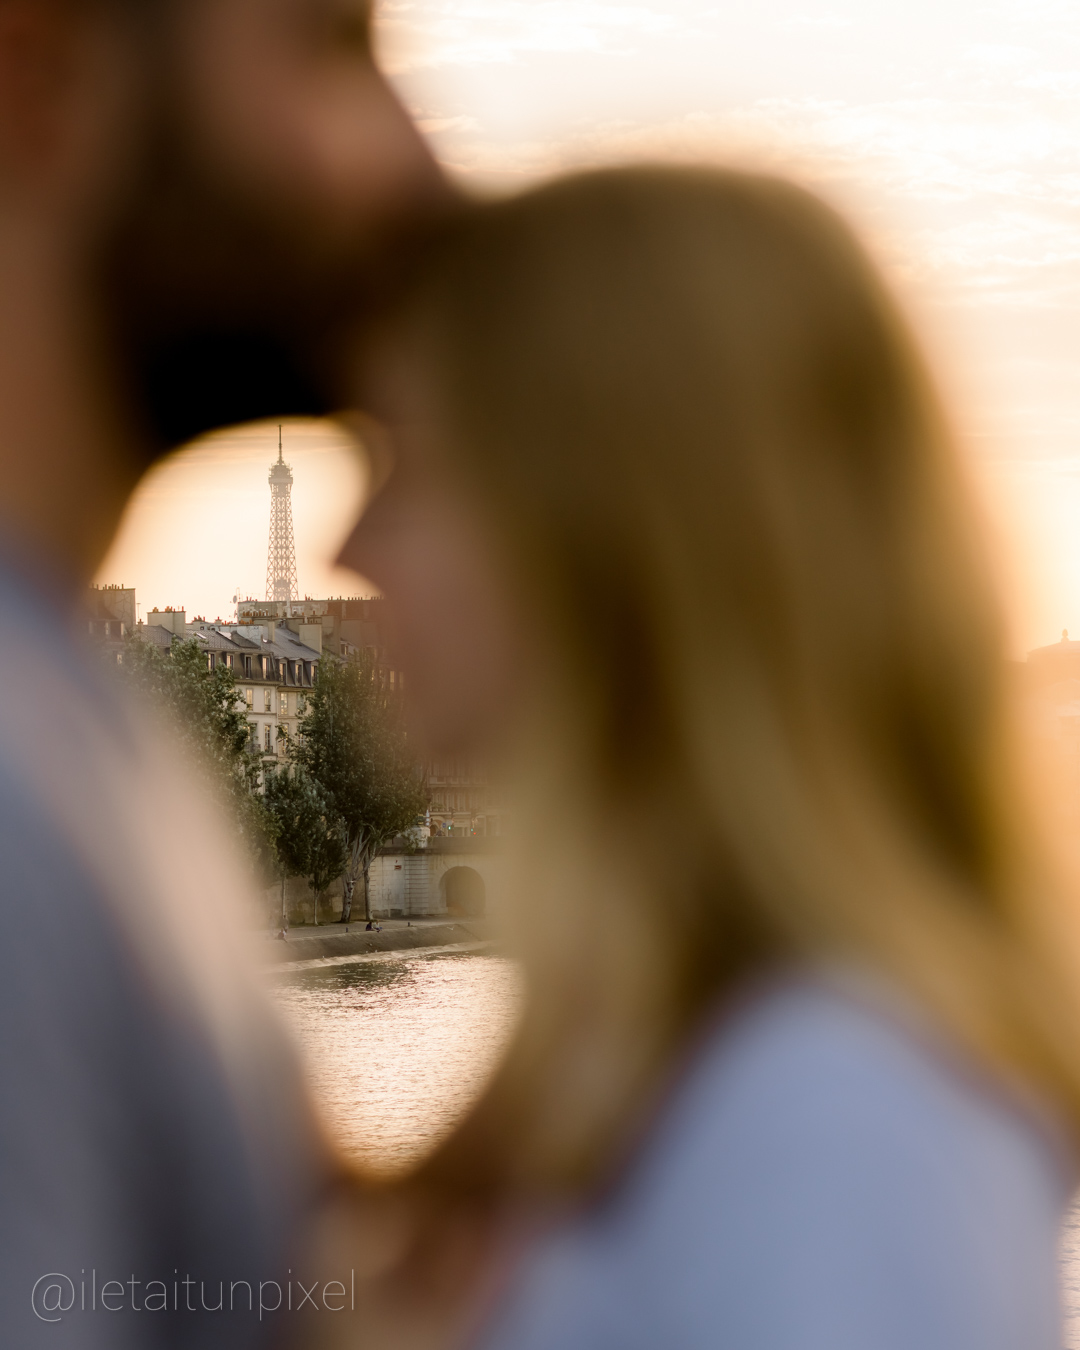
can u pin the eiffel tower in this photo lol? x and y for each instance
(281, 581)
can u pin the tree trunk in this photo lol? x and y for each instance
(367, 889)
(348, 880)
(284, 911)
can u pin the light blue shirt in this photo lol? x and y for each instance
(154, 1126)
(823, 1179)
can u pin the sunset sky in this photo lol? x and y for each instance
(949, 131)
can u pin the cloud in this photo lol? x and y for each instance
(421, 34)
(797, 21)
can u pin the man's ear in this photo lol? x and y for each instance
(39, 58)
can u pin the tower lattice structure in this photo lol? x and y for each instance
(281, 583)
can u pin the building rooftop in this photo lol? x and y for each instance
(284, 645)
(156, 635)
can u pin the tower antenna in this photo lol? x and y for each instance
(281, 583)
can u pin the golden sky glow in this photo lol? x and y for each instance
(196, 532)
(949, 130)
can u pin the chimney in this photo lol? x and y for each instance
(311, 634)
(175, 620)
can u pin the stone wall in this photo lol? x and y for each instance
(298, 900)
(463, 878)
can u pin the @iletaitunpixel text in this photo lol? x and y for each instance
(56, 1295)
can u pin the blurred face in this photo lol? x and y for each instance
(276, 177)
(426, 543)
(283, 99)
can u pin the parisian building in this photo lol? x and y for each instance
(273, 655)
(273, 669)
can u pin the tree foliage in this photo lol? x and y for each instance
(209, 720)
(353, 743)
(309, 836)
(352, 783)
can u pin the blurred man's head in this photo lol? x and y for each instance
(227, 175)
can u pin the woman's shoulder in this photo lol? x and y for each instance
(822, 1173)
(837, 1042)
(840, 1076)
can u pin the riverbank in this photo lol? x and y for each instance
(311, 943)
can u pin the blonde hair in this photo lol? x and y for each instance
(768, 724)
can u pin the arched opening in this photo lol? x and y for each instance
(463, 890)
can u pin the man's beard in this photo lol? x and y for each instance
(219, 308)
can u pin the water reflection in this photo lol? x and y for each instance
(399, 1047)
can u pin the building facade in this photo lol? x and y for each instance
(110, 613)
(273, 669)
(465, 802)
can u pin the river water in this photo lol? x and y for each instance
(399, 1045)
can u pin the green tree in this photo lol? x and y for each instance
(209, 719)
(353, 742)
(308, 836)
